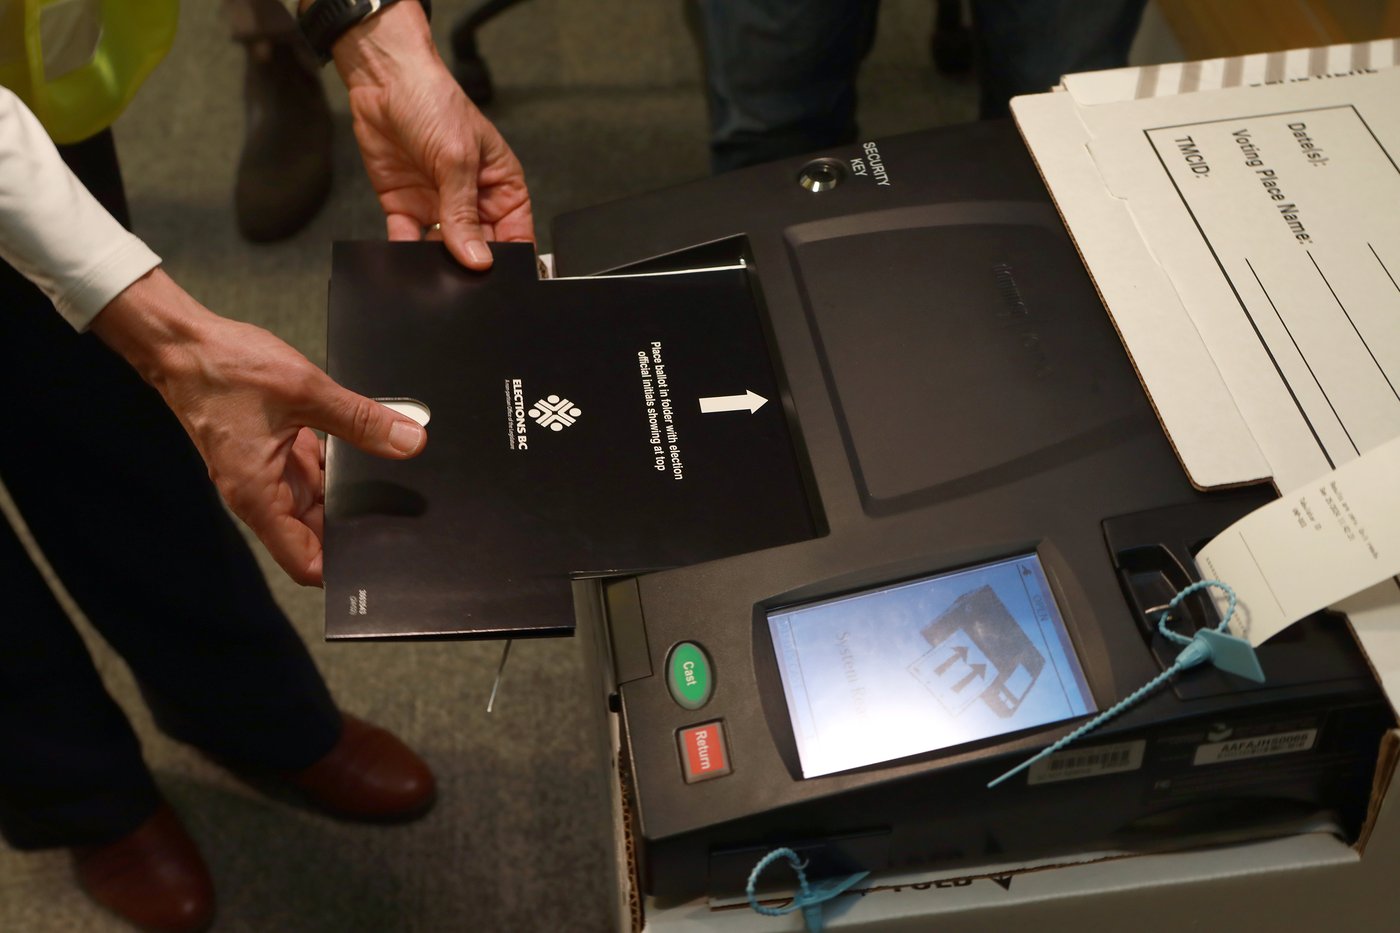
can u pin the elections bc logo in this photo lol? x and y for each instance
(555, 413)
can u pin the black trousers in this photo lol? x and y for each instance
(120, 502)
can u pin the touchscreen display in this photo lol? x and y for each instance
(926, 664)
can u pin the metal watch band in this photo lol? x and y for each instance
(325, 21)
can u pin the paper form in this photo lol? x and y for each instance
(1287, 206)
(1269, 210)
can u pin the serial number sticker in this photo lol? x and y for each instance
(1087, 762)
(1256, 747)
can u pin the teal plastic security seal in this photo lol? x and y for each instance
(809, 898)
(1216, 645)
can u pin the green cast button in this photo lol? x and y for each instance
(691, 681)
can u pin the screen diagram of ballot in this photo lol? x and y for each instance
(979, 653)
(926, 665)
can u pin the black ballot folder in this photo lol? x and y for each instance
(577, 427)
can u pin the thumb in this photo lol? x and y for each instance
(370, 426)
(460, 216)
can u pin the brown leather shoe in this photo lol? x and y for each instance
(369, 775)
(154, 877)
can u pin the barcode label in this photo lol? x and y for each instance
(1257, 747)
(1087, 762)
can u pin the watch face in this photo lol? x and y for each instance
(325, 21)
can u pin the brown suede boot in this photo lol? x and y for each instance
(154, 877)
(284, 171)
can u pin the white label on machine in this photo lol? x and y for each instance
(1087, 762)
(1256, 747)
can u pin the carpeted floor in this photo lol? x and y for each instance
(599, 98)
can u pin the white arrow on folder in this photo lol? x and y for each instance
(750, 401)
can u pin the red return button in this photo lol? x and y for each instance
(704, 754)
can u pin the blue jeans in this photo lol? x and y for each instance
(781, 74)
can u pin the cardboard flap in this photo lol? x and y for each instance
(1197, 409)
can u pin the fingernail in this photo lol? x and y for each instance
(478, 251)
(405, 436)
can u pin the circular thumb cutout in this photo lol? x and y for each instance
(408, 407)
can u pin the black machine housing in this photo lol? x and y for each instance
(959, 395)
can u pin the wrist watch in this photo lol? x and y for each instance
(325, 21)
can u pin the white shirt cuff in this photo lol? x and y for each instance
(51, 227)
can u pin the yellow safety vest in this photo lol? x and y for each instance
(78, 63)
